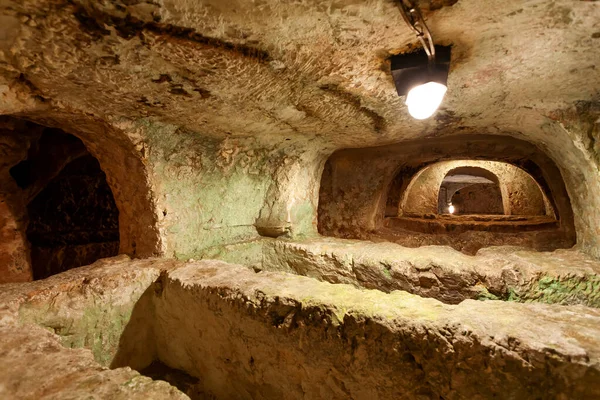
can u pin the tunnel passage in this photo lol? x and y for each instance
(505, 192)
(473, 187)
(57, 201)
(470, 190)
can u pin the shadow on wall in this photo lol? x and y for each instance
(503, 191)
(238, 352)
(215, 341)
(137, 345)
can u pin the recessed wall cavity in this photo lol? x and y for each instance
(58, 207)
(483, 187)
(61, 206)
(467, 191)
(73, 221)
(503, 191)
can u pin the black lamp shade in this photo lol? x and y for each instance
(412, 69)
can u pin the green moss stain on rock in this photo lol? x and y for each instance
(565, 290)
(568, 290)
(549, 289)
(512, 295)
(484, 294)
(98, 329)
(213, 190)
(385, 270)
(389, 267)
(303, 216)
(249, 253)
(90, 315)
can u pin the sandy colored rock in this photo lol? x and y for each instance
(34, 365)
(362, 188)
(247, 102)
(560, 277)
(60, 335)
(520, 193)
(275, 335)
(243, 130)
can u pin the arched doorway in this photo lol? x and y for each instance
(70, 216)
(470, 191)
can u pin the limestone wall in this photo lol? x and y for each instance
(274, 90)
(215, 193)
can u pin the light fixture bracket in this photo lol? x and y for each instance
(414, 69)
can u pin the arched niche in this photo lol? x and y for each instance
(363, 195)
(471, 190)
(73, 218)
(116, 158)
(519, 193)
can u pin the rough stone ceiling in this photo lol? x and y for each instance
(297, 69)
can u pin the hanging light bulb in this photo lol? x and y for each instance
(420, 75)
(423, 100)
(451, 209)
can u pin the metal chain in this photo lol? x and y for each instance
(413, 18)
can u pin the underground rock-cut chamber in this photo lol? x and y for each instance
(466, 191)
(262, 218)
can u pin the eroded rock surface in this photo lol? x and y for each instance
(35, 365)
(89, 307)
(247, 101)
(359, 187)
(267, 335)
(520, 192)
(562, 276)
(214, 122)
(58, 336)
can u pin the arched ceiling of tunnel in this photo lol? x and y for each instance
(297, 69)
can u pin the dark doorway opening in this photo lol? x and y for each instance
(73, 218)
